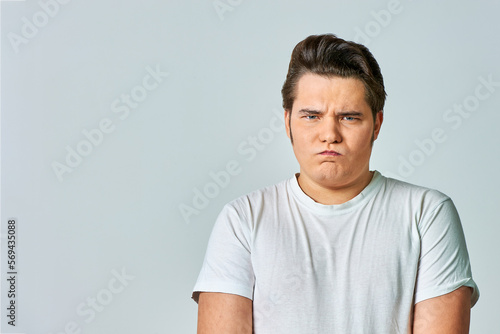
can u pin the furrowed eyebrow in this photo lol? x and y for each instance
(341, 114)
(310, 112)
(350, 113)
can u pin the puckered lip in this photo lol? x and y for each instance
(330, 152)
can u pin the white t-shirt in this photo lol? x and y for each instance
(356, 267)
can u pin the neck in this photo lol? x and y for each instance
(329, 195)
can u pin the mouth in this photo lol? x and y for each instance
(330, 153)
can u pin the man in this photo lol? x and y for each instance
(337, 248)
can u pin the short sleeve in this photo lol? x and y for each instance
(444, 263)
(227, 266)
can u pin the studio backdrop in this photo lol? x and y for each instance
(127, 125)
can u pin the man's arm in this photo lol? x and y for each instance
(224, 313)
(445, 314)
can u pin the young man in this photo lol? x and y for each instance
(336, 248)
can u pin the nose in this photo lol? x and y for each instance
(330, 131)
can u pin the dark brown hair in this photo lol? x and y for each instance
(328, 55)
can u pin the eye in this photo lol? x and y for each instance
(311, 117)
(349, 118)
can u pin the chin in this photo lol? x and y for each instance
(332, 176)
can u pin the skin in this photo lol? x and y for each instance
(224, 313)
(449, 313)
(331, 113)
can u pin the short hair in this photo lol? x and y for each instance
(327, 55)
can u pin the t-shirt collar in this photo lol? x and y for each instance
(335, 209)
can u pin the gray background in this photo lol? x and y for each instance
(119, 209)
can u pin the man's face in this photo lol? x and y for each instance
(333, 130)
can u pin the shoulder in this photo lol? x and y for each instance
(258, 197)
(413, 192)
(420, 201)
(250, 204)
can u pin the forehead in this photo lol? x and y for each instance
(335, 91)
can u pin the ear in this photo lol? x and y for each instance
(287, 122)
(379, 118)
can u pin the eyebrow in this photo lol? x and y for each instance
(349, 113)
(342, 113)
(310, 111)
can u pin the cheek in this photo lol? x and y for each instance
(297, 131)
(302, 147)
(304, 141)
(361, 141)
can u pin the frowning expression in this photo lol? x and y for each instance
(332, 130)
